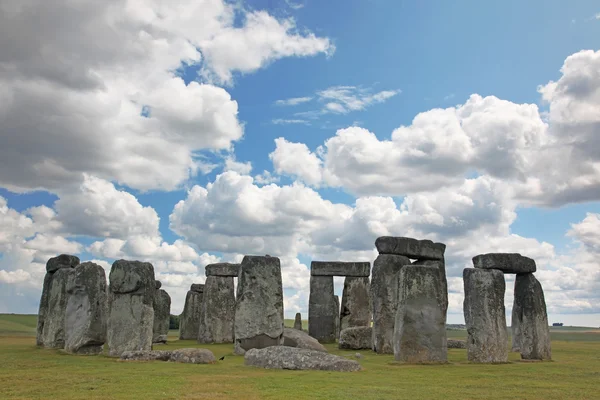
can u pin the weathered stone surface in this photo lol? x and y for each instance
(336, 315)
(87, 310)
(531, 333)
(457, 344)
(146, 355)
(339, 268)
(259, 306)
(222, 269)
(283, 357)
(411, 248)
(189, 320)
(157, 285)
(356, 304)
(509, 263)
(420, 329)
(192, 356)
(301, 339)
(298, 322)
(441, 265)
(322, 312)
(162, 316)
(52, 333)
(62, 261)
(218, 310)
(356, 338)
(384, 296)
(485, 315)
(131, 301)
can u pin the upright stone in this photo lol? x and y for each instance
(298, 322)
(87, 310)
(162, 315)
(356, 306)
(53, 333)
(411, 248)
(131, 301)
(51, 338)
(189, 320)
(259, 307)
(420, 329)
(484, 315)
(336, 315)
(218, 311)
(322, 311)
(384, 296)
(441, 265)
(531, 333)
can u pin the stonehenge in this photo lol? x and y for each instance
(218, 306)
(162, 314)
(322, 309)
(189, 320)
(356, 310)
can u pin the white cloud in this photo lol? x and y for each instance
(343, 99)
(281, 121)
(243, 168)
(294, 101)
(266, 178)
(17, 276)
(587, 232)
(297, 160)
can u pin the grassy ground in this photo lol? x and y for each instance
(30, 373)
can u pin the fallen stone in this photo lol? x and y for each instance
(411, 248)
(301, 339)
(298, 322)
(340, 268)
(222, 269)
(457, 344)
(192, 356)
(162, 315)
(189, 320)
(441, 265)
(356, 304)
(509, 263)
(131, 299)
(485, 315)
(218, 310)
(146, 355)
(420, 329)
(384, 296)
(283, 357)
(356, 338)
(531, 333)
(322, 312)
(86, 310)
(259, 306)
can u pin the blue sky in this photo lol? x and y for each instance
(472, 123)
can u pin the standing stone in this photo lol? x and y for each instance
(53, 333)
(420, 329)
(322, 311)
(189, 320)
(356, 307)
(50, 339)
(531, 333)
(441, 265)
(259, 307)
(131, 302)
(298, 322)
(384, 296)
(218, 311)
(411, 248)
(336, 315)
(87, 310)
(162, 314)
(484, 315)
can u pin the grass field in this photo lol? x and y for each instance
(27, 372)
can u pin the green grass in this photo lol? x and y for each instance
(27, 372)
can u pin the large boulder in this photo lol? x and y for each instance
(531, 333)
(356, 304)
(420, 329)
(283, 357)
(322, 311)
(162, 315)
(384, 296)
(87, 310)
(356, 338)
(186, 356)
(508, 263)
(218, 310)
(146, 355)
(131, 300)
(485, 315)
(411, 248)
(301, 339)
(457, 344)
(189, 320)
(259, 304)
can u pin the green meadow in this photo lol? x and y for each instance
(27, 372)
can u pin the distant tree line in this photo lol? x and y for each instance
(174, 322)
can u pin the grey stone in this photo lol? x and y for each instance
(339, 268)
(283, 357)
(197, 287)
(322, 312)
(531, 333)
(52, 333)
(131, 304)
(301, 339)
(411, 248)
(441, 265)
(146, 355)
(298, 322)
(222, 269)
(509, 263)
(457, 344)
(192, 356)
(87, 310)
(356, 305)
(336, 315)
(157, 284)
(61, 261)
(218, 310)
(162, 316)
(485, 315)
(356, 338)
(259, 306)
(384, 296)
(420, 329)
(189, 320)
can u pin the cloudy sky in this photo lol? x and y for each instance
(195, 131)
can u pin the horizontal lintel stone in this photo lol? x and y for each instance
(340, 268)
(411, 248)
(222, 269)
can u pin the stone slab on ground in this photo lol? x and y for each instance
(302, 340)
(356, 338)
(283, 357)
(185, 356)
